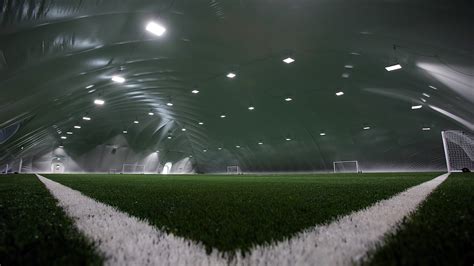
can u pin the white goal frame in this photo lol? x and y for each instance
(234, 170)
(355, 162)
(458, 150)
(135, 168)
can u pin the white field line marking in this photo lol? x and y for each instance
(126, 240)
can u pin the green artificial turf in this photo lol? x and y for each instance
(34, 230)
(441, 232)
(237, 212)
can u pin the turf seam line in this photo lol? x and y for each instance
(126, 240)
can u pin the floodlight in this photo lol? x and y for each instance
(118, 79)
(433, 87)
(288, 99)
(426, 129)
(86, 118)
(322, 134)
(366, 128)
(237, 146)
(201, 123)
(169, 104)
(339, 93)
(136, 122)
(289, 60)
(125, 132)
(287, 139)
(393, 67)
(414, 107)
(426, 95)
(195, 91)
(63, 137)
(155, 28)
(77, 127)
(223, 116)
(260, 143)
(183, 129)
(251, 108)
(150, 113)
(99, 102)
(231, 75)
(90, 86)
(69, 133)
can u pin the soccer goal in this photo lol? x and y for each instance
(233, 170)
(133, 169)
(458, 150)
(346, 166)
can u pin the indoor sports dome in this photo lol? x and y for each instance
(315, 101)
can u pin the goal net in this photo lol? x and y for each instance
(133, 169)
(233, 170)
(458, 150)
(346, 166)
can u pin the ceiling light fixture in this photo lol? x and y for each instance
(219, 148)
(238, 147)
(288, 99)
(183, 129)
(339, 93)
(125, 132)
(136, 122)
(414, 107)
(433, 87)
(155, 28)
(251, 108)
(195, 91)
(287, 139)
(231, 75)
(150, 113)
(63, 137)
(169, 104)
(86, 118)
(77, 127)
(99, 102)
(69, 133)
(322, 134)
(118, 79)
(349, 66)
(426, 129)
(260, 143)
(223, 116)
(393, 67)
(204, 150)
(61, 146)
(366, 128)
(289, 60)
(90, 86)
(426, 95)
(201, 123)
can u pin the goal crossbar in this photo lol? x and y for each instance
(354, 163)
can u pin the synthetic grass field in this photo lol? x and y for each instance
(34, 230)
(238, 212)
(441, 232)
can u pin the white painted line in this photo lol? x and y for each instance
(347, 240)
(126, 240)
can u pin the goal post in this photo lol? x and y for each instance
(458, 150)
(133, 169)
(233, 170)
(346, 166)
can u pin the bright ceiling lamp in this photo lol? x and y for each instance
(118, 79)
(231, 75)
(125, 132)
(349, 66)
(426, 95)
(288, 60)
(86, 118)
(155, 28)
(366, 128)
(69, 133)
(63, 137)
(260, 143)
(201, 123)
(393, 67)
(287, 139)
(414, 107)
(223, 116)
(150, 113)
(433, 87)
(322, 134)
(90, 86)
(288, 99)
(170, 137)
(204, 150)
(77, 127)
(426, 129)
(99, 102)
(251, 108)
(169, 104)
(61, 146)
(339, 93)
(91, 91)
(238, 147)
(136, 122)
(195, 91)
(219, 148)
(183, 129)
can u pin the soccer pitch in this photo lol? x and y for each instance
(236, 215)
